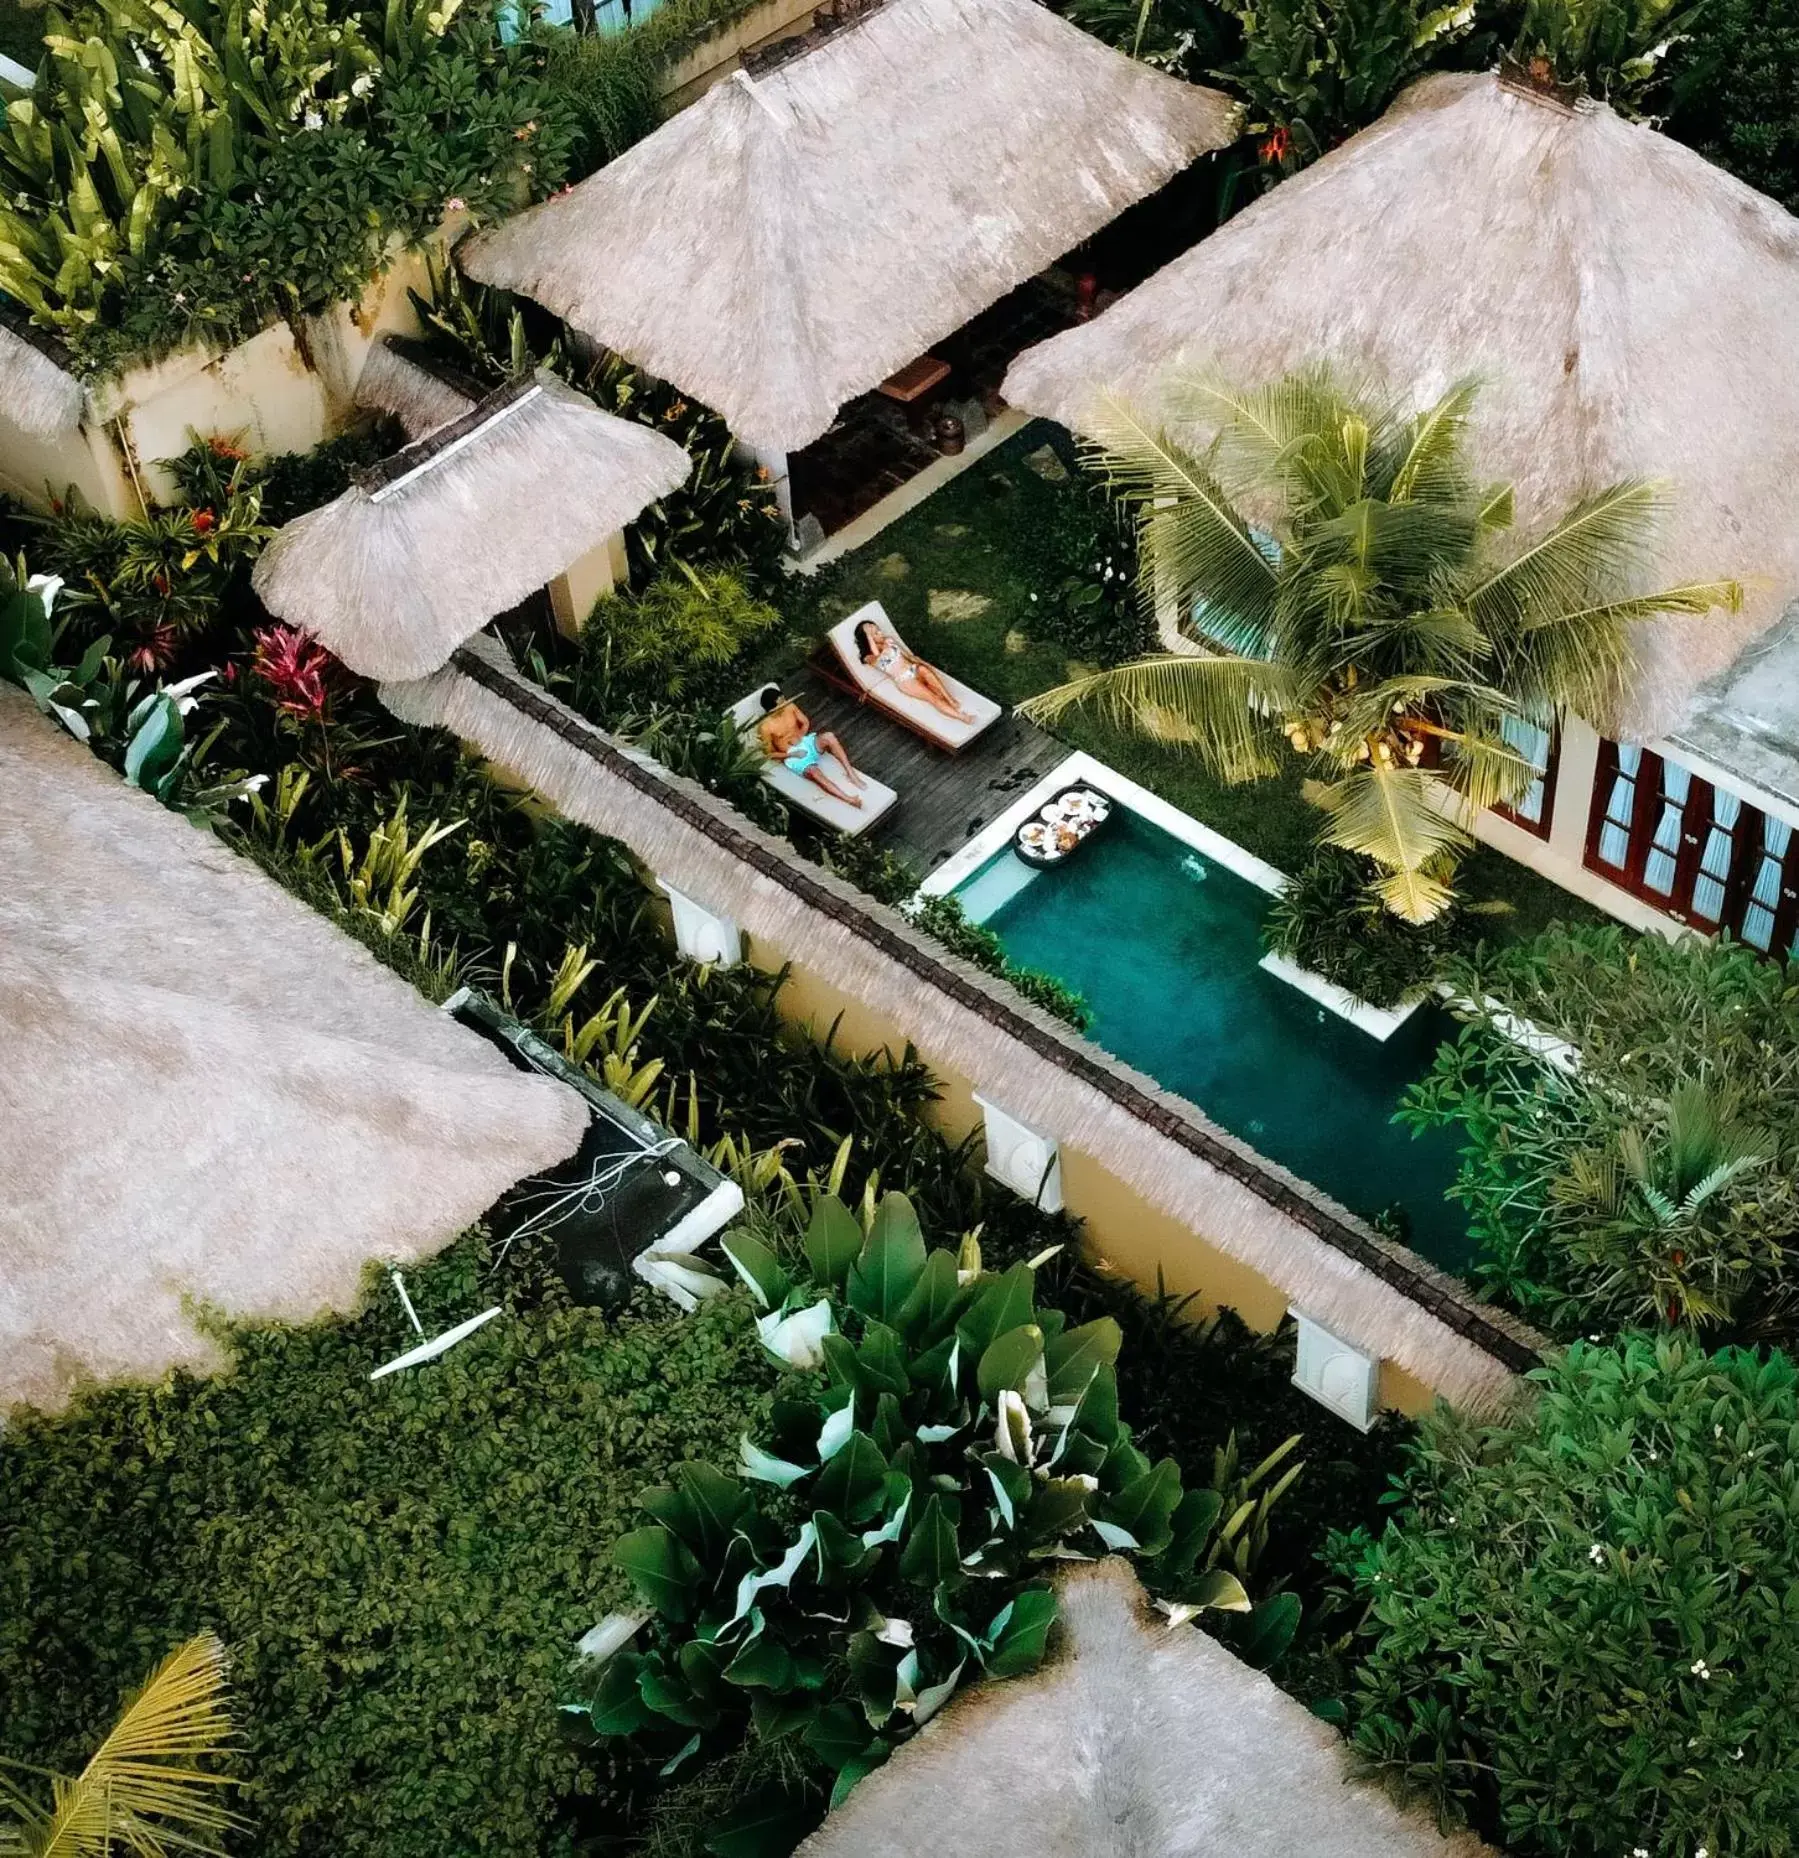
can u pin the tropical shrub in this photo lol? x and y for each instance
(194, 172)
(1327, 920)
(1654, 1180)
(1316, 71)
(1610, 48)
(887, 1539)
(1734, 92)
(144, 1784)
(1371, 625)
(1581, 1629)
(681, 640)
(401, 1570)
(975, 943)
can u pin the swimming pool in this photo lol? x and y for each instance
(1164, 942)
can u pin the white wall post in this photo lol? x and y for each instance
(1021, 1157)
(702, 935)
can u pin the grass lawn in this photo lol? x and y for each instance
(966, 576)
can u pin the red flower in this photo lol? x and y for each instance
(1278, 146)
(297, 669)
(153, 651)
(160, 581)
(223, 448)
(204, 522)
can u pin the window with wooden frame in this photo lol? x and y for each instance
(1535, 807)
(1696, 851)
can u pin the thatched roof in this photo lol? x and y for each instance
(1135, 1741)
(790, 240)
(396, 378)
(1746, 719)
(38, 391)
(463, 524)
(1631, 307)
(208, 1092)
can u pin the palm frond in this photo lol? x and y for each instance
(1484, 768)
(1394, 816)
(1283, 436)
(1434, 468)
(1690, 597)
(142, 1788)
(1193, 541)
(1216, 706)
(1414, 896)
(1602, 542)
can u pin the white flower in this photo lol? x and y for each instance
(798, 1339)
(1596, 1554)
(1702, 1852)
(360, 87)
(313, 120)
(1700, 1668)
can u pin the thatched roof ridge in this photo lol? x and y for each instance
(463, 524)
(398, 377)
(38, 389)
(789, 241)
(208, 1091)
(1630, 306)
(1135, 1740)
(1374, 1293)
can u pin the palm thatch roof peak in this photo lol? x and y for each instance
(1629, 307)
(39, 392)
(791, 239)
(211, 1096)
(463, 524)
(1136, 1740)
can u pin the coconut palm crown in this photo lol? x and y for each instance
(1343, 571)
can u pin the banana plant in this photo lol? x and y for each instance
(940, 1446)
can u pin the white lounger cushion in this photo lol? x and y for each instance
(878, 799)
(893, 695)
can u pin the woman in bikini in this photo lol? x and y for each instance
(787, 736)
(881, 651)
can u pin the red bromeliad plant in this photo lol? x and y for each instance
(300, 673)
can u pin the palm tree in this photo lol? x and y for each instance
(1338, 559)
(143, 1791)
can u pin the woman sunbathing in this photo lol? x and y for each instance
(881, 651)
(787, 736)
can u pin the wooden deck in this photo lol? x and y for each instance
(944, 799)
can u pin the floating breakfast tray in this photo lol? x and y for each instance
(1063, 825)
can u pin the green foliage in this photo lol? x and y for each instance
(1316, 71)
(1582, 1630)
(681, 640)
(1734, 92)
(1191, 38)
(723, 515)
(400, 1570)
(943, 1438)
(944, 917)
(1655, 1182)
(1088, 557)
(1610, 48)
(194, 170)
(1327, 921)
(1365, 613)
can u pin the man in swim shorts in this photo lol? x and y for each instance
(787, 736)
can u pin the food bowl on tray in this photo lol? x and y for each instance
(1062, 825)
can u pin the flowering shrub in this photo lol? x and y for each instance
(1583, 1629)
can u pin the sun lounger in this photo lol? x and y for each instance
(878, 800)
(892, 698)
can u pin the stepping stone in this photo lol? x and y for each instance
(952, 530)
(947, 605)
(1047, 465)
(893, 567)
(1016, 642)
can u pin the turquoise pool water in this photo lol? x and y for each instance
(1164, 944)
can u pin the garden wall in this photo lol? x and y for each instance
(286, 389)
(1160, 1187)
(721, 53)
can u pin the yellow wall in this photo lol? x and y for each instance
(1122, 1229)
(719, 55)
(284, 390)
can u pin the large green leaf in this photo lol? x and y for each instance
(852, 1484)
(1146, 1506)
(661, 1569)
(1073, 1358)
(1008, 1362)
(931, 1555)
(764, 1664)
(758, 1267)
(936, 1300)
(1018, 1644)
(618, 1707)
(1001, 1303)
(891, 1262)
(702, 1508)
(833, 1240)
